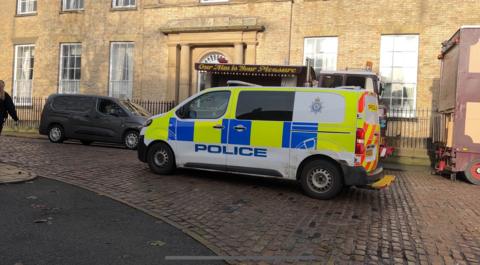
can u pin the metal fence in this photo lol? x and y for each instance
(407, 128)
(155, 107)
(29, 111)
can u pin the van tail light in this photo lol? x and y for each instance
(360, 142)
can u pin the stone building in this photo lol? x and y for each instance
(147, 48)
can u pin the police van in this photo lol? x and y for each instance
(322, 137)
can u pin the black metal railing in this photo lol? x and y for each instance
(405, 128)
(29, 111)
(155, 107)
(409, 128)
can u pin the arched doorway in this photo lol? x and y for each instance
(203, 80)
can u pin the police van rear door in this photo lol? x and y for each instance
(257, 141)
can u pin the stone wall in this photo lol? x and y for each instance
(358, 24)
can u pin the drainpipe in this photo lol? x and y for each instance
(290, 33)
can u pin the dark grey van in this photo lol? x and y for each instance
(92, 118)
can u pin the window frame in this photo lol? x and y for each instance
(201, 95)
(60, 67)
(293, 93)
(115, 6)
(64, 3)
(19, 8)
(315, 54)
(18, 100)
(401, 112)
(110, 75)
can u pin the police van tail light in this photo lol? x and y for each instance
(360, 141)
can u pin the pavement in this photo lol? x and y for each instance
(12, 174)
(421, 219)
(50, 222)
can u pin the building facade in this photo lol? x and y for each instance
(148, 48)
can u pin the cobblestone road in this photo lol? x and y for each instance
(422, 219)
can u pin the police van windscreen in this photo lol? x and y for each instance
(265, 105)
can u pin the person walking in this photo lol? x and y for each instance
(6, 106)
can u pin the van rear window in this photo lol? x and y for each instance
(265, 105)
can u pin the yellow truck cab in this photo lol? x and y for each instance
(324, 138)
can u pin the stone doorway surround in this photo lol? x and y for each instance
(205, 55)
(236, 37)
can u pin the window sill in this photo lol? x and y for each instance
(114, 9)
(76, 11)
(213, 3)
(26, 14)
(23, 105)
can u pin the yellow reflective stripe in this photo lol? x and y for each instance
(158, 130)
(266, 134)
(367, 164)
(336, 142)
(204, 132)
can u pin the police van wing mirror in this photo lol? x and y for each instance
(181, 112)
(380, 89)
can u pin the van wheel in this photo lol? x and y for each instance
(160, 159)
(86, 142)
(321, 179)
(472, 172)
(130, 139)
(56, 134)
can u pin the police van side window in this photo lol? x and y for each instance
(211, 105)
(265, 105)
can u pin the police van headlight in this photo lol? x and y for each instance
(147, 123)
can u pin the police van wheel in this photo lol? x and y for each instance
(321, 179)
(160, 159)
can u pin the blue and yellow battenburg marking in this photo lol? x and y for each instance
(298, 135)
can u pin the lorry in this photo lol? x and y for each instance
(456, 124)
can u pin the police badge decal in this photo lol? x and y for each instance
(316, 106)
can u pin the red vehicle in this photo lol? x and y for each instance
(456, 131)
